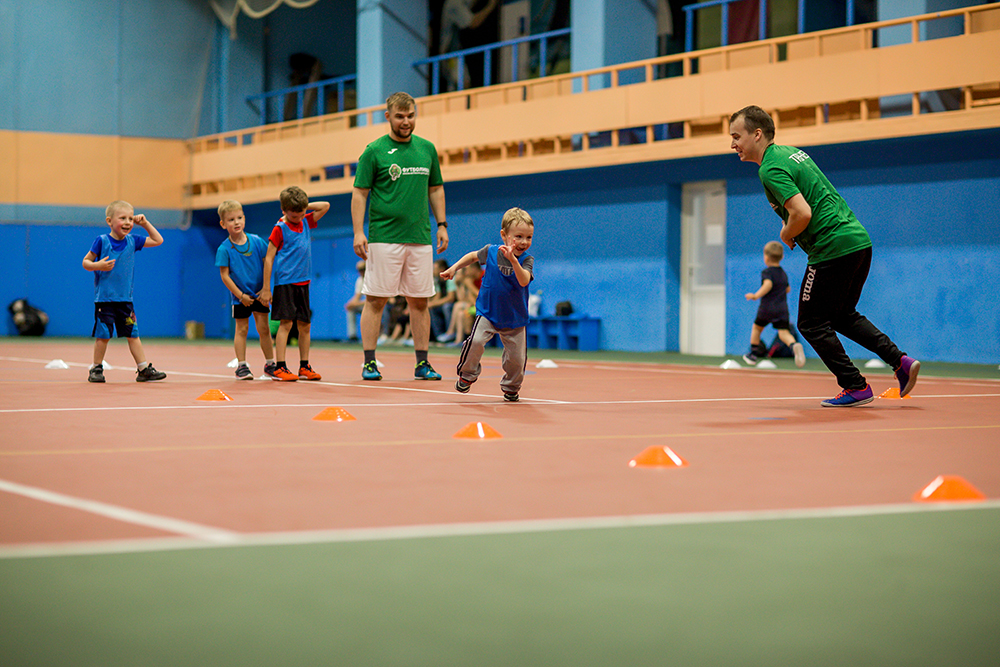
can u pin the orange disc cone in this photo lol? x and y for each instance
(892, 392)
(214, 395)
(334, 415)
(948, 488)
(477, 430)
(658, 457)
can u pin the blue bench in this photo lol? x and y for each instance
(564, 333)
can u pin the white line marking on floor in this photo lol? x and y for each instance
(228, 405)
(167, 524)
(484, 529)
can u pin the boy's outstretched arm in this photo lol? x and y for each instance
(449, 273)
(319, 209)
(155, 238)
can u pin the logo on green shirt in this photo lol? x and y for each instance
(394, 171)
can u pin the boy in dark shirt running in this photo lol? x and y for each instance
(773, 307)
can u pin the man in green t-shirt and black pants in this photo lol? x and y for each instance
(401, 174)
(817, 218)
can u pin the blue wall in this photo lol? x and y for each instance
(84, 67)
(46, 268)
(930, 206)
(608, 240)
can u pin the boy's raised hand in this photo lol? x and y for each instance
(508, 252)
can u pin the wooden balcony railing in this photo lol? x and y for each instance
(822, 87)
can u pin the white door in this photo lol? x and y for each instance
(703, 268)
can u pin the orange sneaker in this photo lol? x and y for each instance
(307, 373)
(284, 375)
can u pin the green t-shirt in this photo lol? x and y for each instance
(833, 231)
(398, 175)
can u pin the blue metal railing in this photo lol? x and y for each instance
(690, 10)
(487, 51)
(300, 91)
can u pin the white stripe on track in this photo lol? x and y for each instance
(647, 401)
(166, 524)
(492, 528)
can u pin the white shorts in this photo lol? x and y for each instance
(399, 269)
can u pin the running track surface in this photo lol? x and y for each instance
(146, 470)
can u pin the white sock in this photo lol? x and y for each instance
(142, 365)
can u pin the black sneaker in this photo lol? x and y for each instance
(149, 374)
(96, 373)
(511, 396)
(463, 386)
(243, 373)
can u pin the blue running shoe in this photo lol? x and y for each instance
(370, 371)
(850, 398)
(423, 371)
(907, 374)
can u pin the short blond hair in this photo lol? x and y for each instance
(115, 205)
(514, 216)
(227, 206)
(774, 251)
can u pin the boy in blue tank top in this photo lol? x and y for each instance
(240, 259)
(112, 259)
(502, 304)
(289, 260)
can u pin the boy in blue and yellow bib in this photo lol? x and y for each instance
(112, 259)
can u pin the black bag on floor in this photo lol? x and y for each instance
(564, 309)
(30, 321)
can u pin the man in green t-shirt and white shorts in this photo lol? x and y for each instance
(400, 174)
(816, 218)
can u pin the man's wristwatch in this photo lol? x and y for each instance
(443, 223)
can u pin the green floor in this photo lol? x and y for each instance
(904, 589)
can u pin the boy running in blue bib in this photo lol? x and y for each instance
(502, 304)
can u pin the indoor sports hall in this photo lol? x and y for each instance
(651, 499)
